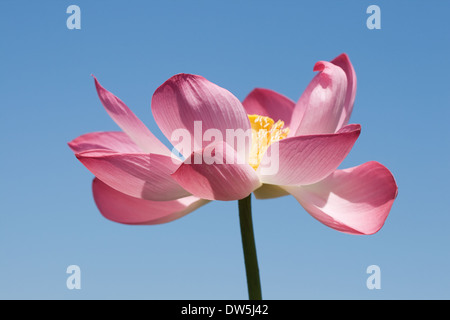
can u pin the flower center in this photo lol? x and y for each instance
(265, 131)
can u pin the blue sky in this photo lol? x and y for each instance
(48, 218)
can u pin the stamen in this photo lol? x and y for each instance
(265, 131)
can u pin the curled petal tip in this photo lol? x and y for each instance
(323, 66)
(319, 66)
(356, 128)
(72, 145)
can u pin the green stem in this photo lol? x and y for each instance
(248, 244)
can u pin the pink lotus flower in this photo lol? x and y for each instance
(139, 181)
